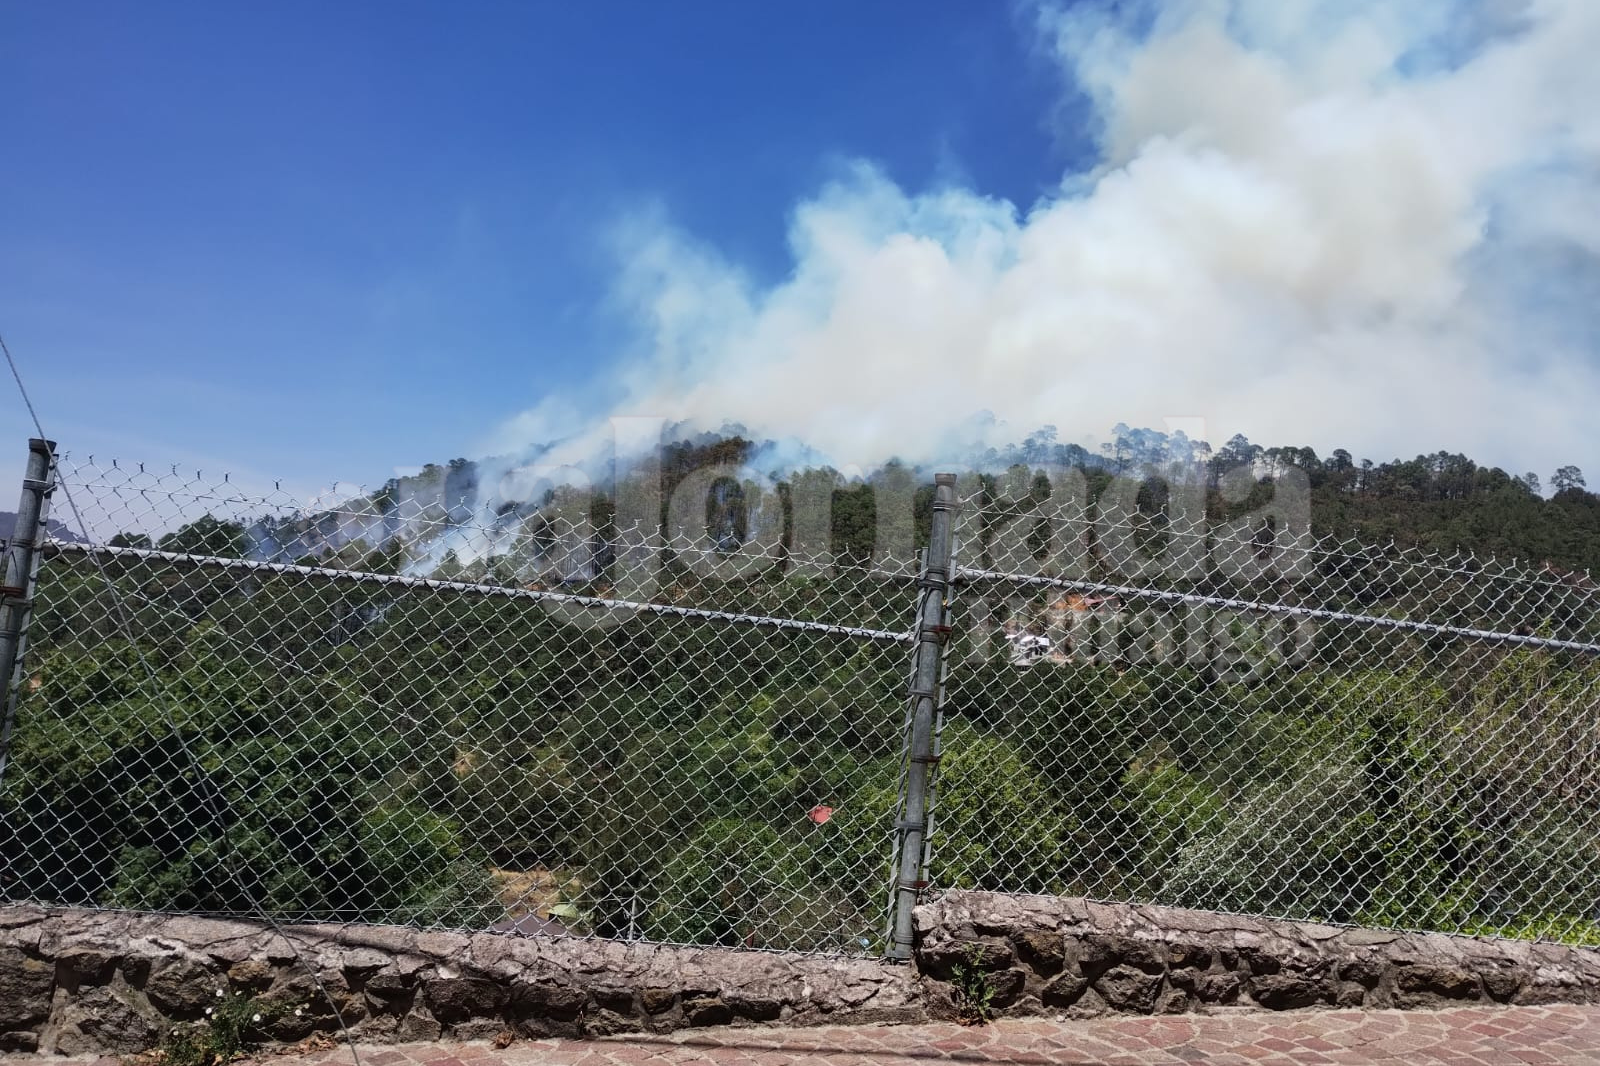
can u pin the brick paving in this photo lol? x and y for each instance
(1473, 1036)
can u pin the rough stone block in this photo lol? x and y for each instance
(610, 1023)
(103, 1019)
(181, 987)
(1064, 991)
(1364, 971)
(1188, 956)
(84, 965)
(1172, 1001)
(707, 1010)
(19, 1043)
(554, 1001)
(1098, 952)
(1287, 991)
(1044, 950)
(1502, 983)
(1006, 985)
(1260, 960)
(1218, 988)
(616, 998)
(362, 963)
(253, 975)
(941, 959)
(25, 987)
(1448, 982)
(1128, 988)
(658, 1000)
(754, 1006)
(1350, 994)
(417, 1026)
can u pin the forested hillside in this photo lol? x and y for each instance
(1442, 502)
(343, 749)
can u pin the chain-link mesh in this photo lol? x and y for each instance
(1234, 715)
(383, 711)
(544, 719)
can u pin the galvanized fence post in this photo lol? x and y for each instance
(19, 572)
(927, 676)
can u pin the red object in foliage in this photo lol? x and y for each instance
(820, 813)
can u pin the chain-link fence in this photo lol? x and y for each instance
(379, 711)
(1153, 705)
(546, 718)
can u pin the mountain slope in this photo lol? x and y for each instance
(8, 522)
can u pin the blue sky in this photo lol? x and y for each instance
(320, 240)
(323, 241)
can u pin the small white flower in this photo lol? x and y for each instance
(208, 1012)
(236, 995)
(219, 993)
(297, 1012)
(255, 1017)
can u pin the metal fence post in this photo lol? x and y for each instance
(933, 626)
(19, 572)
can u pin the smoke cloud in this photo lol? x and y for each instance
(1342, 224)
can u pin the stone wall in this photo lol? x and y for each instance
(76, 981)
(1073, 957)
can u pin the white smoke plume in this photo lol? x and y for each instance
(1343, 224)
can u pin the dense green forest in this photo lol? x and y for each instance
(1440, 502)
(364, 751)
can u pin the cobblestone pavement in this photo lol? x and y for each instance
(1559, 1036)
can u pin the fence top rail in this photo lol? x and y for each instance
(969, 574)
(478, 588)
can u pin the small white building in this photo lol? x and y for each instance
(1027, 648)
